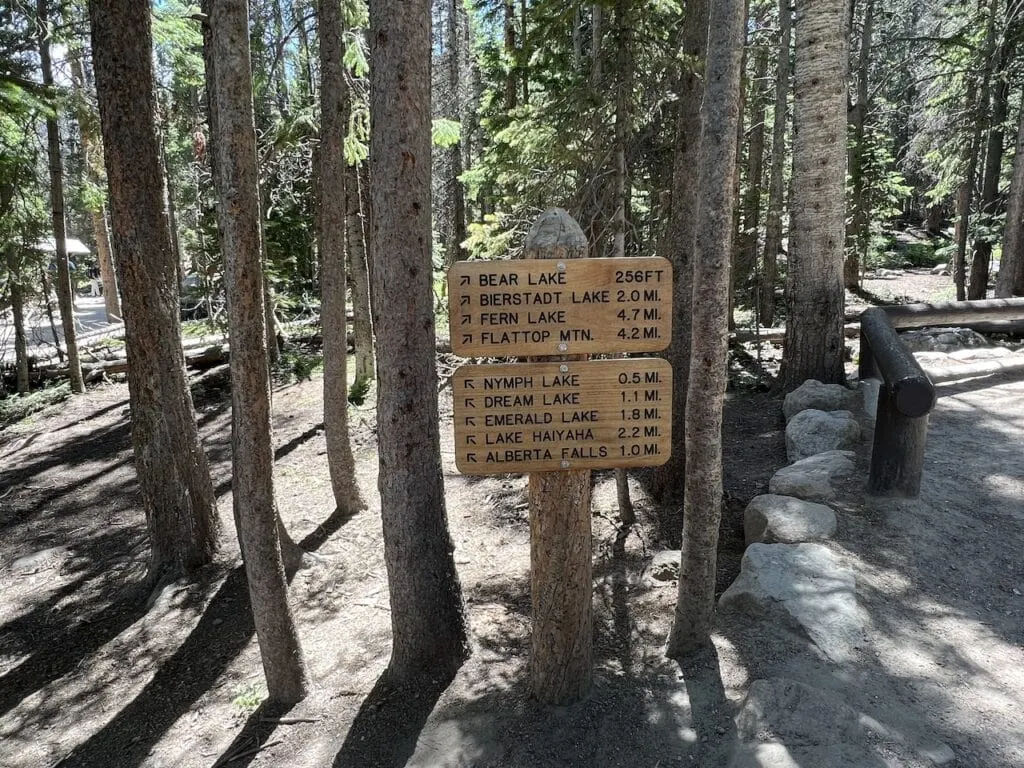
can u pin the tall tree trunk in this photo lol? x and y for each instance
(623, 133)
(306, 93)
(524, 53)
(177, 493)
(1013, 231)
(93, 161)
(366, 208)
(859, 233)
(691, 625)
(1000, 96)
(270, 325)
(362, 324)
(427, 616)
(172, 212)
(14, 278)
(511, 80)
(48, 304)
(755, 174)
(976, 98)
(814, 345)
(252, 454)
(593, 217)
(776, 184)
(334, 194)
(677, 245)
(65, 290)
(278, 73)
(105, 257)
(736, 239)
(449, 196)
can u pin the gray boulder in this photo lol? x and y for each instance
(813, 431)
(824, 397)
(665, 566)
(814, 478)
(804, 587)
(772, 519)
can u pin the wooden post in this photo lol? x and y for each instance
(897, 455)
(560, 539)
(906, 398)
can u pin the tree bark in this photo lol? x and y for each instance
(859, 233)
(511, 79)
(677, 245)
(18, 311)
(1013, 231)
(755, 175)
(427, 615)
(172, 468)
(48, 304)
(172, 211)
(1000, 95)
(976, 98)
(93, 160)
(814, 346)
(334, 194)
(776, 184)
(450, 207)
(623, 132)
(252, 455)
(362, 323)
(737, 240)
(694, 612)
(65, 289)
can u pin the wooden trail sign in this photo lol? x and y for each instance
(540, 417)
(560, 306)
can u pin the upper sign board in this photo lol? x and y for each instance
(560, 306)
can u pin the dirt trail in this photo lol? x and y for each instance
(87, 679)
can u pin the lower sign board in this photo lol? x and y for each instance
(541, 417)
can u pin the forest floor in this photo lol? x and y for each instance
(89, 677)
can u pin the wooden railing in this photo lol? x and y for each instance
(907, 395)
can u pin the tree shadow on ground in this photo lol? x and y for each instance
(122, 404)
(97, 447)
(178, 683)
(711, 712)
(388, 724)
(254, 737)
(873, 298)
(639, 710)
(56, 649)
(283, 450)
(753, 447)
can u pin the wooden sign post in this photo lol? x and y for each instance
(560, 415)
(561, 579)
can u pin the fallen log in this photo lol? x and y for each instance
(850, 330)
(945, 373)
(201, 359)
